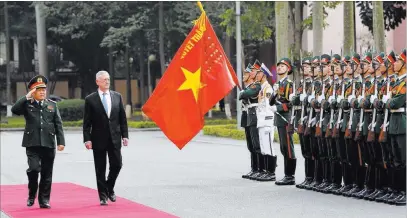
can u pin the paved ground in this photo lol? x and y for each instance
(202, 180)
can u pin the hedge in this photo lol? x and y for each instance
(71, 109)
(231, 131)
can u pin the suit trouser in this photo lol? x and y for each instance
(106, 187)
(354, 152)
(40, 161)
(266, 139)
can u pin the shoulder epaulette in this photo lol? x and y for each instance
(51, 101)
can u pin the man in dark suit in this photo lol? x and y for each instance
(104, 129)
(43, 131)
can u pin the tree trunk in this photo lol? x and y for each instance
(111, 69)
(142, 83)
(317, 30)
(348, 28)
(297, 37)
(378, 27)
(161, 35)
(281, 10)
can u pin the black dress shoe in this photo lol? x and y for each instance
(246, 176)
(103, 202)
(287, 180)
(30, 202)
(45, 205)
(112, 197)
(401, 201)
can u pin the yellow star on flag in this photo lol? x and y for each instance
(192, 82)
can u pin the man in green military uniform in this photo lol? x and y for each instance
(42, 125)
(366, 152)
(280, 106)
(300, 104)
(396, 103)
(251, 94)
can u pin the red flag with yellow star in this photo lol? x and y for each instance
(198, 77)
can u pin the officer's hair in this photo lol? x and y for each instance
(100, 73)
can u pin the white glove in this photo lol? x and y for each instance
(339, 99)
(302, 97)
(267, 129)
(385, 98)
(310, 98)
(275, 86)
(360, 99)
(372, 98)
(291, 97)
(350, 97)
(313, 121)
(320, 98)
(304, 118)
(331, 99)
(273, 108)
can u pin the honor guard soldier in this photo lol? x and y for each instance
(280, 106)
(385, 143)
(313, 118)
(324, 116)
(251, 93)
(353, 147)
(396, 102)
(300, 104)
(247, 80)
(333, 152)
(341, 126)
(43, 130)
(380, 149)
(363, 102)
(265, 125)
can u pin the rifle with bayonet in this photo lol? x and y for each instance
(335, 132)
(292, 118)
(371, 135)
(348, 132)
(329, 128)
(300, 128)
(383, 132)
(318, 130)
(358, 134)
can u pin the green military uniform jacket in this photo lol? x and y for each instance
(42, 123)
(297, 103)
(282, 102)
(378, 104)
(251, 93)
(367, 106)
(334, 104)
(344, 104)
(397, 123)
(325, 106)
(355, 105)
(314, 102)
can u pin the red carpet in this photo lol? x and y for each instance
(70, 200)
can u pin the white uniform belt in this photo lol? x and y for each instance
(398, 110)
(346, 111)
(367, 110)
(317, 110)
(297, 107)
(253, 105)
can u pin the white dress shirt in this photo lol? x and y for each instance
(108, 100)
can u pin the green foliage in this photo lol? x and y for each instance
(72, 109)
(257, 20)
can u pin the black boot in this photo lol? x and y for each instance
(260, 167)
(326, 173)
(289, 179)
(348, 179)
(32, 187)
(254, 166)
(399, 185)
(377, 185)
(271, 167)
(317, 175)
(336, 177)
(267, 176)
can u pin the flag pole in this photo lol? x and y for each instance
(238, 62)
(200, 6)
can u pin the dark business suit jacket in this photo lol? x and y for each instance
(100, 129)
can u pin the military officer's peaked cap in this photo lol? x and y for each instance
(346, 59)
(336, 58)
(316, 59)
(402, 56)
(356, 58)
(380, 58)
(287, 62)
(306, 60)
(325, 59)
(256, 65)
(391, 57)
(367, 58)
(38, 81)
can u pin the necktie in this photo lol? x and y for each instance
(104, 102)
